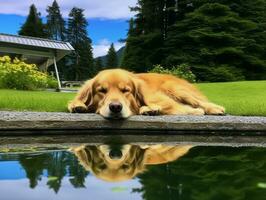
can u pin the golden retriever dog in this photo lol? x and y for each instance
(117, 93)
(123, 162)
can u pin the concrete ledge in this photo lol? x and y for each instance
(41, 129)
(44, 123)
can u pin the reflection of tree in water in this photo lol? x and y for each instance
(77, 173)
(204, 173)
(57, 164)
(33, 165)
(57, 169)
(208, 173)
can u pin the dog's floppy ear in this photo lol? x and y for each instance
(165, 154)
(85, 96)
(88, 94)
(138, 90)
(84, 156)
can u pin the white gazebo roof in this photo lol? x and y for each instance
(40, 51)
(35, 50)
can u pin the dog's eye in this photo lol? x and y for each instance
(125, 166)
(102, 90)
(125, 90)
(102, 166)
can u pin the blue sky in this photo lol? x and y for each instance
(107, 19)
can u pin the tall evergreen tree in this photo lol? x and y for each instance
(98, 64)
(33, 25)
(214, 40)
(221, 39)
(56, 30)
(55, 22)
(111, 57)
(147, 33)
(128, 55)
(81, 63)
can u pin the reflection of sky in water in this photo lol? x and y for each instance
(95, 189)
(14, 185)
(203, 173)
(11, 170)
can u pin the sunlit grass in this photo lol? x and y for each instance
(239, 98)
(34, 100)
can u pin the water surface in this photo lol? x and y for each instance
(139, 172)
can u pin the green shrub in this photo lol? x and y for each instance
(181, 71)
(218, 74)
(52, 82)
(224, 74)
(16, 74)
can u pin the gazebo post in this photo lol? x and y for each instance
(43, 52)
(57, 74)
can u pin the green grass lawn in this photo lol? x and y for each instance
(34, 100)
(239, 98)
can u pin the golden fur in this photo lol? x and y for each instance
(144, 94)
(133, 160)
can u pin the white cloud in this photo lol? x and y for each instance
(101, 48)
(107, 9)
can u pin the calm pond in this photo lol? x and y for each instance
(132, 172)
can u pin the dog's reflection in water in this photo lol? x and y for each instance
(123, 162)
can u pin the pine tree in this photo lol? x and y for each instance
(33, 25)
(222, 40)
(98, 64)
(147, 33)
(135, 57)
(81, 65)
(128, 59)
(131, 30)
(254, 11)
(214, 40)
(55, 22)
(111, 57)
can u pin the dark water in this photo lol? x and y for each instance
(134, 172)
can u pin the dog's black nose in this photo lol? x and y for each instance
(115, 107)
(115, 154)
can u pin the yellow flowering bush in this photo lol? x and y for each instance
(16, 74)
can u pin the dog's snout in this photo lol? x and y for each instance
(115, 154)
(115, 107)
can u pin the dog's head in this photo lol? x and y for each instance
(122, 162)
(111, 163)
(114, 94)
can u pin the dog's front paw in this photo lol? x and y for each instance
(215, 110)
(77, 107)
(145, 110)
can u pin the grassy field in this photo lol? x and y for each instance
(34, 100)
(239, 98)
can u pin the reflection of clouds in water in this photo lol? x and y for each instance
(95, 189)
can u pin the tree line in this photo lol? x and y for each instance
(58, 165)
(221, 40)
(80, 64)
